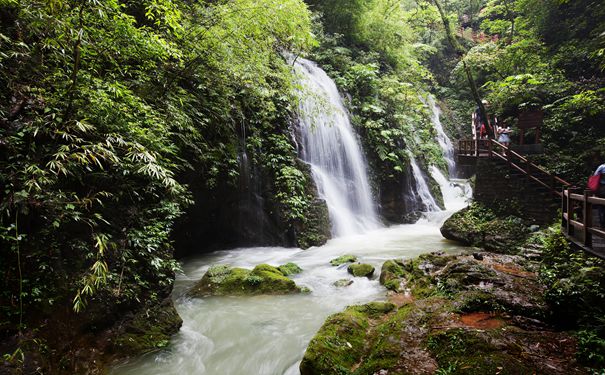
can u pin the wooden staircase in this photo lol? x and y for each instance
(539, 192)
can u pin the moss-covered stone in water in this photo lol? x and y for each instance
(224, 280)
(149, 330)
(361, 270)
(343, 259)
(339, 344)
(289, 269)
(342, 283)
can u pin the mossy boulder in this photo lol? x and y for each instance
(343, 259)
(289, 269)
(149, 330)
(340, 343)
(223, 280)
(413, 275)
(361, 270)
(478, 226)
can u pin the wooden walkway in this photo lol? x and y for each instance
(579, 208)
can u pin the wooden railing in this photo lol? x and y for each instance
(492, 149)
(577, 215)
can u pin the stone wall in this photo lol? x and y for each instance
(508, 191)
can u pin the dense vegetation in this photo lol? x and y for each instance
(121, 120)
(107, 109)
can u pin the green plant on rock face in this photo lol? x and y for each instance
(451, 368)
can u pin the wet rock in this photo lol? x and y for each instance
(342, 283)
(339, 344)
(343, 259)
(361, 270)
(411, 217)
(466, 316)
(478, 226)
(222, 280)
(391, 275)
(289, 269)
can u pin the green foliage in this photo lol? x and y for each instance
(108, 108)
(576, 291)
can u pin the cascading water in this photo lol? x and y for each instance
(444, 141)
(267, 335)
(329, 145)
(422, 188)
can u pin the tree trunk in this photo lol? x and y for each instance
(469, 74)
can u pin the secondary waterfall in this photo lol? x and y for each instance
(330, 146)
(442, 138)
(422, 188)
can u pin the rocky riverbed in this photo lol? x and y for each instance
(482, 313)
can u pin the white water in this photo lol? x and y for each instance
(267, 335)
(422, 188)
(444, 141)
(330, 146)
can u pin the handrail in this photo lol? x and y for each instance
(488, 147)
(574, 205)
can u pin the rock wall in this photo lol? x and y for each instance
(506, 191)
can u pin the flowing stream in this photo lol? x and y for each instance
(268, 335)
(330, 146)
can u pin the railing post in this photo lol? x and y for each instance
(489, 149)
(570, 228)
(587, 219)
(563, 210)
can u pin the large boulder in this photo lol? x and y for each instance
(223, 280)
(478, 226)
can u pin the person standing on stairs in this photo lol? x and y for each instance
(601, 192)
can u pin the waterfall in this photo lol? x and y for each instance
(422, 188)
(442, 138)
(329, 145)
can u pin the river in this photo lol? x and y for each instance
(267, 335)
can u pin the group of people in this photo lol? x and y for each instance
(601, 192)
(481, 127)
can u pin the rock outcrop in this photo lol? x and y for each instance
(455, 314)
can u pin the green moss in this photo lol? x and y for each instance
(479, 226)
(413, 274)
(361, 270)
(149, 330)
(289, 269)
(263, 279)
(343, 259)
(385, 350)
(474, 353)
(340, 343)
(315, 230)
(391, 273)
(477, 301)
